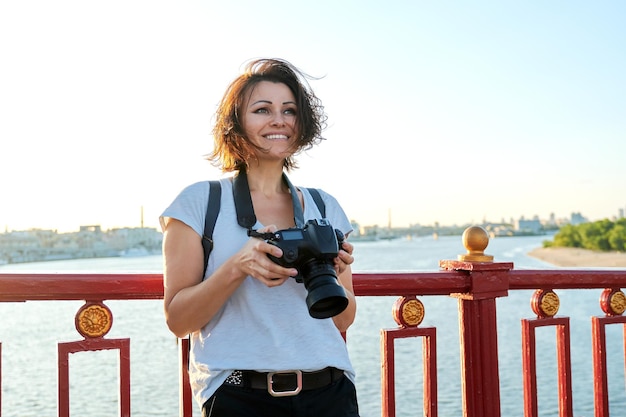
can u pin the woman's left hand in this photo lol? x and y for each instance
(344, 319)
(344, 257)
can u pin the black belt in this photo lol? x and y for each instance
(284, 383)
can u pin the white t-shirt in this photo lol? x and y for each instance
(259, 328)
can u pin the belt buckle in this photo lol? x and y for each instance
(270, 383)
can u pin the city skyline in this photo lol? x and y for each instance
(438, 111)
(553, 217)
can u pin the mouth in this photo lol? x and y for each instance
(276, 137)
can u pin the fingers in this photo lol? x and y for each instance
(344, 258)
(348, 247)
(257, 264)
(268, 229)
(346, 253)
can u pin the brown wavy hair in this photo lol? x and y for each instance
(233, 149)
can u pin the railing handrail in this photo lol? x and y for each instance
(32, 286)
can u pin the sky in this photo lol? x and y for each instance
(439, 111)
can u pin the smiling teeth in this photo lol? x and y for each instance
(276, 137)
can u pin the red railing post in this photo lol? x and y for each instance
(478, 330)
(185, 395)
(479, 350)
(0, 379)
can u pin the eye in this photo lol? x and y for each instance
(261, 110)
(290, 111)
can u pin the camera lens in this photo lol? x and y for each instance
(326, 297)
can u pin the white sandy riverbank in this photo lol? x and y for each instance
(575, 257)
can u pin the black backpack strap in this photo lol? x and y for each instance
(318, 200)
(213, 209)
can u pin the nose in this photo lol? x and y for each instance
(278, 119)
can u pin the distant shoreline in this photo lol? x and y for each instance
(576, 257)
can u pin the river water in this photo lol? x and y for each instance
(30, 331)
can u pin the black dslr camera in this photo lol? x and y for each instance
(311, 251)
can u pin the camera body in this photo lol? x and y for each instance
(312, 250)
(317, 240)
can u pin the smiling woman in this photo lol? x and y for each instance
(246, 290)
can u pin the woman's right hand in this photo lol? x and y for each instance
(253, 260)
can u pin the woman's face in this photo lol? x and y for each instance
(269, 120)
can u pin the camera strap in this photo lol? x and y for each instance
(247, 215)
(243, 201)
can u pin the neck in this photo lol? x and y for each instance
(267, 180)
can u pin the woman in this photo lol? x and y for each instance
(256, 350)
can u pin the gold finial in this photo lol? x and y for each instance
(475, 239)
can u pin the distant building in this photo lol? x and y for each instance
(552, 220)
(577, 218)
(529, 226)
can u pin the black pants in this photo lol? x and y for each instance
(335, 400)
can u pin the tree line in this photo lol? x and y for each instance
(602, 235)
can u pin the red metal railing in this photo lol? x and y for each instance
(476, 285)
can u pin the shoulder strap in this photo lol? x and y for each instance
(213, 210)
(318, 200)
